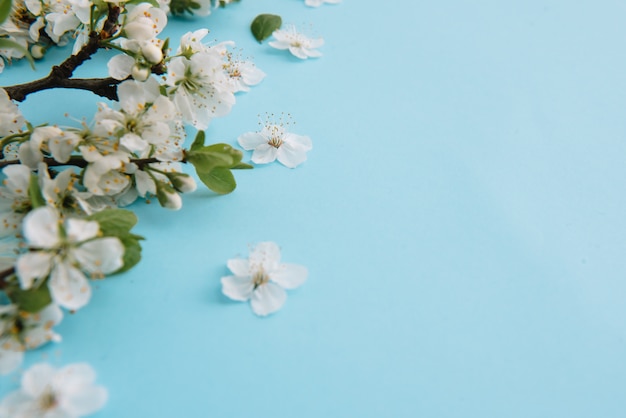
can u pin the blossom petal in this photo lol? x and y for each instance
(251, 140)
(31, 266)
(10, 222)
(301, 141)
(41, 227)
(298, 51)
(239, 266)
(13, 404)
(79, 230)
(289, 276)
(237, 288)
(86, 401)
(264, 153)
(36, 379)
(144, 183)
(267, 298)
(291, 156)
(265, 255)
(69, 287)
(9, 359)
(312, 53)
(100, 256)
(120, 66)
(80, 396)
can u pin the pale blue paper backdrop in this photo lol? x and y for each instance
(462, 215)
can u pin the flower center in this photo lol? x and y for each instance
(276, 142)
(47, 401)
(260, 277)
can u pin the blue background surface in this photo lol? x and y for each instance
(462, 215)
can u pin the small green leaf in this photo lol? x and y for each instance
(5, 10)
(220, 180)
(132, 251)
(264, 25)
(9, 44)
(226, 149)
(205, 161)
(31, 300)
(34, 192)
(198, 142)
(114, 222)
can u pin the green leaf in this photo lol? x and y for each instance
(242, 166)
(205, 161)
(132, 251)
(31, 300)
(9, 44)
(5, 10)
(264, 25)
(198, 142)
(220, 180)
(226, 149)
(34, 192)
(114, 222)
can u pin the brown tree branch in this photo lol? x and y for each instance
(60, 75)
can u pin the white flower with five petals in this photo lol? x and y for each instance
(273, 142)
(69, 392)
(64, 250)
(297, 43)
(262, 279)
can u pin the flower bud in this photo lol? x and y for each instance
(37, 51)
(168, 198)
(140, 73)
(152, 53)
(182, 182)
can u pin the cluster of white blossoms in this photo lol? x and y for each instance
(36, 25)
(62, 187)
(46, 392)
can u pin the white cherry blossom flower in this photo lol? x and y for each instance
(243, 75)
(69, 392)
(14, 199)
(297, 43)
(199, 88)
(60, 143)
(144, 22)
(105, 176)
(145, 53)
(262, 279)
(64, 250)
(146, 124)
(21, 331)
(317, 3)
(273, 142)
(11, 119)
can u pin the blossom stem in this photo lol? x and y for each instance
(4, 275)
(80, 162)
(59, 76)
